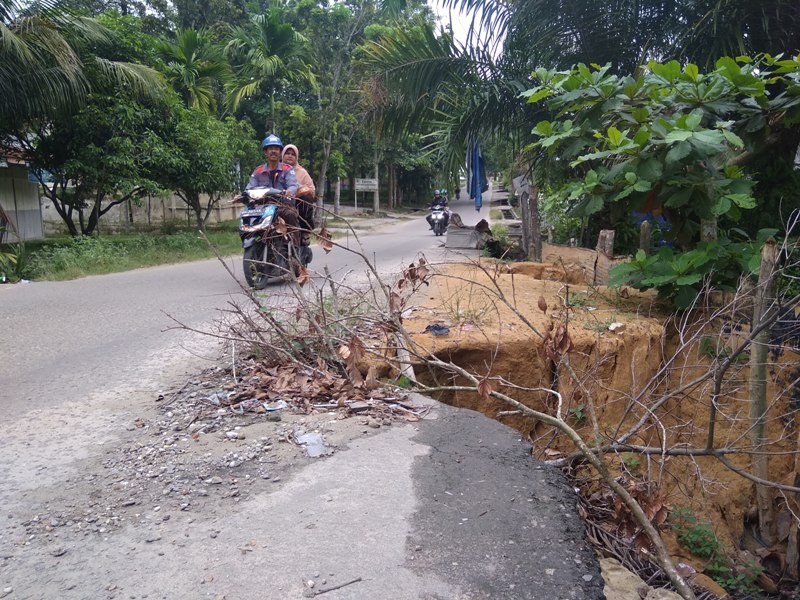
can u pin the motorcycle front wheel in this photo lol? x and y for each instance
(254, 266)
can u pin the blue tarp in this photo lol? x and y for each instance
(476, 172)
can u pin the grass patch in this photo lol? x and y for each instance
(68, 258)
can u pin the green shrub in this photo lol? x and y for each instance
(679, 277)
(87, 255)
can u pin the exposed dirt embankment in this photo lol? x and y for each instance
(621, 364)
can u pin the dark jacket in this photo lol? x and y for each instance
(282, 178)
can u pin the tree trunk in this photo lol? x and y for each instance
(321, 178)
(61, 209)
(337, 196)
(390, 186)
(763, 306)
(376, 196)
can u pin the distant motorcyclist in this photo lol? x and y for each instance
(440, 201)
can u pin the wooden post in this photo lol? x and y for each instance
(645, 237)
(525, 209)
(763, 307)
(708, 230)
(605, 242)
(535, 225)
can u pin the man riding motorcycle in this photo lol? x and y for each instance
(440, 200)
(277, 174)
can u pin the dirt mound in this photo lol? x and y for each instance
(630, 366)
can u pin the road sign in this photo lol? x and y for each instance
(366, 185)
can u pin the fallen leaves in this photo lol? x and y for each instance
(306, 389)
(324, 240)
(617, 517)
(484, 389)
(414, 277)
(556, 343)
(303, 277)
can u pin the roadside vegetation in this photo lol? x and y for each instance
(58, 259)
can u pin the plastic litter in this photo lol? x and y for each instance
(314, 444)
(270, 407)
(437, 329)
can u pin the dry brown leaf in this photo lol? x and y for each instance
(344, 352)
(324, 240)
(484, 388)
(411, 272)
(303, 277)
(395, 302)
(642, 543)
(357, 349)
(542, 304)
(661, 516)
(355, 376)
(371, 382)
(280, 226)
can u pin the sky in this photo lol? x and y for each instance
(460, 20)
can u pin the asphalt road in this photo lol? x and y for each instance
(452, 508)
(60, 341)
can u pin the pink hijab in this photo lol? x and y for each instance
(293, 147)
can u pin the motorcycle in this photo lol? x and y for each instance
(270, 254)
(438, 219)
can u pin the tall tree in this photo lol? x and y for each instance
(210, 14)
(474, 87)
(43, 70)
(196, 68)
(267, 54)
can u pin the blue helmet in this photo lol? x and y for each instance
(271, 140)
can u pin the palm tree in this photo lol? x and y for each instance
(39, 70)
(267, 55)
(42, 69)
(473, 87)
(196, 68)
(424, 81)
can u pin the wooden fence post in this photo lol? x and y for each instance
(645, 237)
(605, 242)
(763, 306)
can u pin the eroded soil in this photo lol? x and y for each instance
(625, 353)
